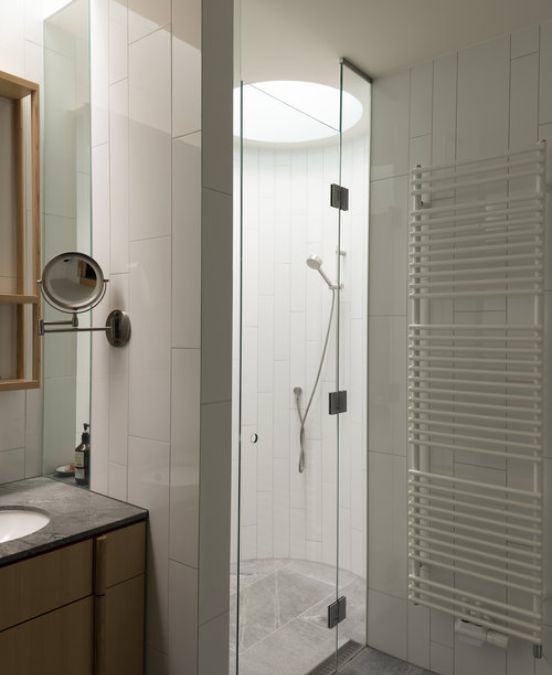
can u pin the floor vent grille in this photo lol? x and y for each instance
(344, 654)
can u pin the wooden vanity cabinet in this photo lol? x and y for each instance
(76, 610)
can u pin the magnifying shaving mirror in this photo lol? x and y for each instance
(74, 283)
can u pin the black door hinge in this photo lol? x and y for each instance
(338, 402)
(337, 611)
(339, 197)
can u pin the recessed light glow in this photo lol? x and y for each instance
(292, 111)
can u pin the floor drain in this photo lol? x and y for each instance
(344, 654)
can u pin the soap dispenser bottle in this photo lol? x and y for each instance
(82, 458)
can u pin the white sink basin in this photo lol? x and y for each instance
(16, 523)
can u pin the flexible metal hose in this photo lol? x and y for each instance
(298, 391)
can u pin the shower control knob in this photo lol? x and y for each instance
(254, 438)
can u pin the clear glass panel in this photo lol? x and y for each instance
(284, 559)
(353, 355)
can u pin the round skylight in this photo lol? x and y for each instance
(293, 112)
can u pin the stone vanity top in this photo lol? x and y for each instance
(74, 513)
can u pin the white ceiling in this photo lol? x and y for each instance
(304, 39)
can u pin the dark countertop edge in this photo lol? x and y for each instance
(73, 538)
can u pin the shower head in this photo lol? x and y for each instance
(315, 263)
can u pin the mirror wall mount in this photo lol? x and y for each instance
(74, 283)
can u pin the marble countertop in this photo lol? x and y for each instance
(75, 514)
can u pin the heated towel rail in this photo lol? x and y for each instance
(475, 391)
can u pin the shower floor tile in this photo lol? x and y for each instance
(283, 615)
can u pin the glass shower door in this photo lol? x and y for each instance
(284, 558)
(355, 122)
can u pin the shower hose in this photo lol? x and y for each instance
(298, 391)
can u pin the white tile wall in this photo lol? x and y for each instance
(147, 114)
(285, 315)
(485, 99)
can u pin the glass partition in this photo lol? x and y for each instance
(300, 297)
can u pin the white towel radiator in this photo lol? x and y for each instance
(475, 391)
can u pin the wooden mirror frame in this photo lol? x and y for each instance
(17, 89)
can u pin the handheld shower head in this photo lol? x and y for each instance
(315, 263)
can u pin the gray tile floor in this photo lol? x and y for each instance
(283, 615)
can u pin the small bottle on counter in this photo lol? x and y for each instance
(82, 458)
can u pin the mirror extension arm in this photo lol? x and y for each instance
(117, 327)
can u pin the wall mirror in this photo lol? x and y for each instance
(74, 283)
(67, 226)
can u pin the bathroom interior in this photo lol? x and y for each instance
(275, 327)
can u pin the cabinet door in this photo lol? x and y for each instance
(120, 555)
(119, 617)
(57, 643)
(38, 585)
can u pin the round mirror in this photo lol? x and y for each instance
(73, 282)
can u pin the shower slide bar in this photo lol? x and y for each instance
(476, 393)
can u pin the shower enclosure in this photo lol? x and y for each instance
(298, 576)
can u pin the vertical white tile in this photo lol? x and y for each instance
(185, 421)
(545, 99)
(186, 242)
(146, 16)
(216, 296)
(387, 565)
(148, 486)
(418, 635)
(525, 41)
(183, 630)
(441, 659)
(217, 95)
(12, 465)
(99, 72)
(12, 420)
(118, 40)
(117, 482)
(150, 136)
(421, 99)
(118, 175)
(149, 348)
(387, 624)
(520, 657)
(390, 125)
(33, 433)
(213, 646)
(483, 86)
(214, 512)
(100, 206)
(388, 246)
(118, 378)
(485, 660)
(186, 67)
(387, 384)
(524, 87)
(420, 151)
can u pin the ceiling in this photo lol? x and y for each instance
(304, 39)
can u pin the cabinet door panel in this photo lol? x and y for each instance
(119, 616)
(57, 643)
(120, 555)
(44, 583)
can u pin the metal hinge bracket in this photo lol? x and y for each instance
(338, 402)
(337, 611)
(339, 197)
